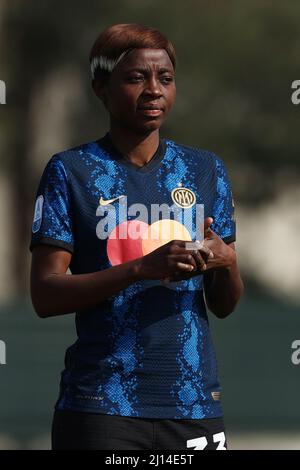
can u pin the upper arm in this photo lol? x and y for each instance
(46, 261)
(53, 215)
(52, 239)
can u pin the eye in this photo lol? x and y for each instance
(135, 79)
(167, 79)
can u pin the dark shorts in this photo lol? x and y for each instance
(89, 431)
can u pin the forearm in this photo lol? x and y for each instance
(223, 289)
(59, 294)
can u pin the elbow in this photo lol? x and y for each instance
(218, 310)
(221, 314)
(223, 311)
(44, 300)
(225, 307)
(39, 308)
(40, 305)
(228, 310)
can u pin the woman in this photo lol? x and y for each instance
(142, 373)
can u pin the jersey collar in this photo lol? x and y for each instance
(115, 154)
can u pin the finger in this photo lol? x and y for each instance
(184, 266)
(178, 250)
(206, 251)
(201, 263)
(176, 247)
(207, 229)
(208, 222)
(186, 258)
(178, 243)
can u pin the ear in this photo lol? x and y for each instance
(100, 91)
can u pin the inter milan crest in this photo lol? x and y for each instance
(183, 197)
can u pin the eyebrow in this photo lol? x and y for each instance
(145, 70)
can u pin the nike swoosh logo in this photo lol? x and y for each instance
(102, 202)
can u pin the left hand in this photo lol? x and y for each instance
(223, 255)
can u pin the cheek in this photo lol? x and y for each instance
(170, 97)
(123, 103)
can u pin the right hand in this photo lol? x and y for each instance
(166, 261)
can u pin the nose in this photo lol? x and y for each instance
(153, 87)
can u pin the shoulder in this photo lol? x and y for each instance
(74, 159)
(201, 155)
(66, 157)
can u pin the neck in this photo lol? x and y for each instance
(138, 149)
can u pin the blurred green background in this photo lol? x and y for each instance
(236, 63)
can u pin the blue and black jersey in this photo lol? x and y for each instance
(147, 350)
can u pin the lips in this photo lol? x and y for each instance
(150, 110)
(151, 107)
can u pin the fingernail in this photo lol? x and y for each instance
(204, 267)
(211, 255)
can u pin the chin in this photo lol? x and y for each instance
(148, 127)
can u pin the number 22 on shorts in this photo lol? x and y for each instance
(200, 443)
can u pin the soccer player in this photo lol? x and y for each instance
(142, 373)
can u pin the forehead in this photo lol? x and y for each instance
(146, 58)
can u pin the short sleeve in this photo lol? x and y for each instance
(224, 224)
(52, 220)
